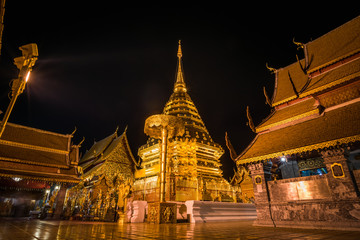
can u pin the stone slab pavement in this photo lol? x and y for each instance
(16, 229)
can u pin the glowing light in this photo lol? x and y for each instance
(283, 159)
(27, 76)
(17, 179)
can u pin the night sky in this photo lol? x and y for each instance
(101, 66)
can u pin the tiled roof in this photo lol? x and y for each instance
(334, 45)
(284, 91)
(339, 125)
(289, 113)
(97, 148)
(337, 50)
(30, 156)
(121, 145)
(37, 137)
(35, 146)
(114, 145)
(118, 154)
(334, 77)
(37, 154)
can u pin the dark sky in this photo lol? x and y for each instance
(102, 65)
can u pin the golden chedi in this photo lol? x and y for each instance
(193, 166)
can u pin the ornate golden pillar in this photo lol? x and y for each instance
(164, 139)
(163, 127)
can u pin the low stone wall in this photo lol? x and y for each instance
(308, 202)
(300, 188)
(326, 214)
(203, 211)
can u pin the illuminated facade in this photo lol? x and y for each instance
(108, 174)
(193, 165)
(36, 168)
(305, 158)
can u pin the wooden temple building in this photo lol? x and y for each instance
(193, 166)
(305, 158)
(36, 168)
(106, 182)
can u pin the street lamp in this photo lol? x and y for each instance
(24, 64)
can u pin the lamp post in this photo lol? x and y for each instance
(24, 64)
(163, 127)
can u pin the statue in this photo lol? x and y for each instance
(124, 191)
(98, 205)
(52, 199)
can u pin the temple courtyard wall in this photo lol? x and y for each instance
(328, 201)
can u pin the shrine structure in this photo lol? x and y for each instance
(305, 158)
(36, 168)
(106, 181)
(193, 166)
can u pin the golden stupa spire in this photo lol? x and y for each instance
(179, 84)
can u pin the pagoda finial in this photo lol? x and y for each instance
(179, 54)
(179, 84)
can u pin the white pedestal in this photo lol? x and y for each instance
(203, 211)
(136, 211)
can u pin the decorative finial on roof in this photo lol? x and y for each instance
(179, 54)
(267, 99)
(298, 44)
(79, 145)
(72, 134)
(232, 151)
(179, 84)
(250, 122)
(272, 70)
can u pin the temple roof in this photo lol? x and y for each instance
(37, 137)
(284, 91)
(98, 148)
(334, 77)
(302, 120)
(113, 148)
(328, 58)
(335, 45)
(26, 152)
(334, 127)
(31, 156)
(297, 111)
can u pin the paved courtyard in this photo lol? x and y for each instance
(13, 229)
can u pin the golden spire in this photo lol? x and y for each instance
(179, 50)
(179, 84)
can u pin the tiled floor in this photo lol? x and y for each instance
(13, 229)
